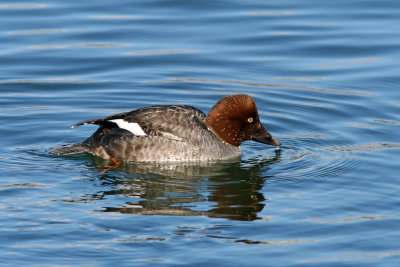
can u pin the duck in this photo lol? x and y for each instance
(174, 133)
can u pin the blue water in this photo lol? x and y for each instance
(325, 77)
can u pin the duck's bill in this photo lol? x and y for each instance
(266, 138)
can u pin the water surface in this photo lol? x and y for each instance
(325, 78)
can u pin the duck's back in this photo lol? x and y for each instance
(157, 133)
(178, 122)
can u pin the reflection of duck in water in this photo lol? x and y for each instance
(175, 133)
(220, 190)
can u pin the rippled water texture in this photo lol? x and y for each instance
(325, 77)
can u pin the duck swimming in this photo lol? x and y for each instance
(174, 133)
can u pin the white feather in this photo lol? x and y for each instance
(133, 127)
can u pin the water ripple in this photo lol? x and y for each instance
(308, 156)
(362, 148)
(256, 84)
(115, 17)
(84, 45)
(354, 219)
(272, 13)
(23, 185)
(51, 80)
(22, 6)
(386, 121)
(350, 256)
(160, 52)
(277, 242)
(44, 31)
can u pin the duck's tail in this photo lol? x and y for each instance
(70, 149)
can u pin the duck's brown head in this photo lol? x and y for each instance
(234, 119)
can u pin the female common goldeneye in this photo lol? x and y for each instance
(175, 133)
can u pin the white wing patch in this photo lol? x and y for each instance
(133, 127)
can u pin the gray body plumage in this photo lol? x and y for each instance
(173, 133)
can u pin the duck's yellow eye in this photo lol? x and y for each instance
(250, 120)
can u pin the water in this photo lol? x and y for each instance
(324, 75)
